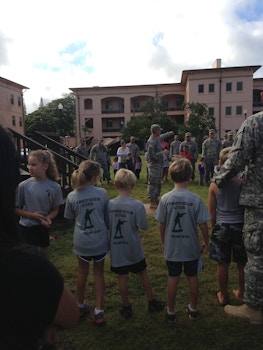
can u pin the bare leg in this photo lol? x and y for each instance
(98, 271)
(172, 291)
(239, 293)
(82, 280)
(146, 283)
(123, 288)
(194, 291)
(222, 277)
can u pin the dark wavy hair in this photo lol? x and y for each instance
(9, 179)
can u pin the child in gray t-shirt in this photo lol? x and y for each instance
(126, 216)
(179, 213)
(87, 205)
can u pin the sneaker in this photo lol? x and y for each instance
(253, 315)
(170, 317)
(155, 306)
(84, 311)
(192, 315)
(126, 312)
(99, 318)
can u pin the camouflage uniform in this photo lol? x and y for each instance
(155, 164)
(247, 153)
(210, 152)
(99, 154)
(193, 149)
(135, 151)
(175, 148)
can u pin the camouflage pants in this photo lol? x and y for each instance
(155, 180)
(253, 241)
(209, 169)
(105, 168)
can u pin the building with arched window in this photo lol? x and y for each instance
(230, 93)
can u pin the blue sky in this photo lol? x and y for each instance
(52, 46)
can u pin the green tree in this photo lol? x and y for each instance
(199, 122)
(50, 118)
(153, 112)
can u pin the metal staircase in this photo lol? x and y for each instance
(66, 159)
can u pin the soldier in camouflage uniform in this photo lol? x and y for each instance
(192, 148)
(210, 152)
(229, 141)
(134, 149)
(98, 153)
(155, 162)
(247, 153)
(175, 147)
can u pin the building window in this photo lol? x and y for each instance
(122, 123)
(239, 86)
(228, 110)
(109, 123)
(13, 120)
(201, 88)
(239, 110)
(228, 87)
(136, 105)
(211, 111)
(12, 99)
(109, 105)
(19, 101)
(211, 87)
(20, 122)
(88, 103)
(89, 123)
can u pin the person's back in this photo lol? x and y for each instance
(227, 217)
(127, 215)
(33, 299)
(228, 209)
(180, 212)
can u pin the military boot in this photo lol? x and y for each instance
(245, 311)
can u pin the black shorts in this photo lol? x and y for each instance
(35, 235)
(96, 258)
(175, 268)
(227, 244)
(134, 268)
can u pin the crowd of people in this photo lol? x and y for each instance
(105, 226)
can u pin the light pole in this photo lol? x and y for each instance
(60, 108)
(245, 113)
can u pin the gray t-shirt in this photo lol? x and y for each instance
(181, 211)
(37, 195)
(126, 215)
(88, 206)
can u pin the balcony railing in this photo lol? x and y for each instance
(112, 111)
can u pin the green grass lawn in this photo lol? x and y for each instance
(214, 330)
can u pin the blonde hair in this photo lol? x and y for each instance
(180, 169)
(86, 171)
(223, 155)
(125, 179)
(46, 157)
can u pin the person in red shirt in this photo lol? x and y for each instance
(185, 153)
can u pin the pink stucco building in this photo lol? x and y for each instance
(230, 94)
(11, 105)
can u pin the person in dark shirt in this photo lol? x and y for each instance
(35, 305)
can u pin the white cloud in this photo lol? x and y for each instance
(54, 45)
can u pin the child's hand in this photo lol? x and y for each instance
(46, 222)
(37, 215)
